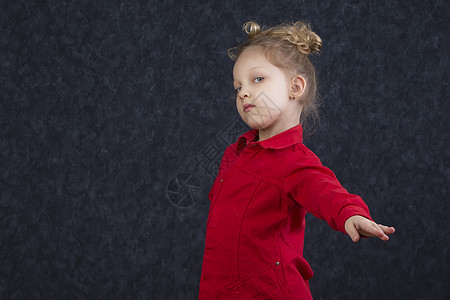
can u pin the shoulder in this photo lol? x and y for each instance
(305, 166)
(231, 149)
(228, 158)
(304, 156)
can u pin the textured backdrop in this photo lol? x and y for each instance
(114, 116)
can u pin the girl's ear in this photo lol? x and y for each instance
(298, 85)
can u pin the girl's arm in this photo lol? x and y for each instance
(317, 189)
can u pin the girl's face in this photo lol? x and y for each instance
(262, 94)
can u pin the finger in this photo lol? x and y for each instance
(378, 232)
(353, 233)
(387, 229)
(372, 229)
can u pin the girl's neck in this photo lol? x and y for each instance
(266, 134)
(290, 118)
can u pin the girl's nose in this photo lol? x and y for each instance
(244, 93)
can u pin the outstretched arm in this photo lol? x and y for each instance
(357, 226)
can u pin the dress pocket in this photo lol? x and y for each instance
(264, 285)
(293, 261)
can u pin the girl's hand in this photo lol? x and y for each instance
(357, 226)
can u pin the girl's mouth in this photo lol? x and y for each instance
(248, 107)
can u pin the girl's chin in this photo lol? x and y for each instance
(255, 125)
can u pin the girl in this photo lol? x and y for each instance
(268, 179)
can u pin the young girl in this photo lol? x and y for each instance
(268, 180)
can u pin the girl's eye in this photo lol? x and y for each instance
(237, 90)
(258, 79)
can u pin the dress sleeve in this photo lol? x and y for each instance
(317, 189)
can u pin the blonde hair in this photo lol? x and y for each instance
(287, 46)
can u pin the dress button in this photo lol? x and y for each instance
(277, 263)
(221, 180)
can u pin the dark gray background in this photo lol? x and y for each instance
(113, 117)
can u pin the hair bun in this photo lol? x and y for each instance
(306, 40)
(298, 33)
(252, 29)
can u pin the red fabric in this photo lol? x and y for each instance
(256, 223)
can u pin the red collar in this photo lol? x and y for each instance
(293, 135)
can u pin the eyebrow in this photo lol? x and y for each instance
(256, 67)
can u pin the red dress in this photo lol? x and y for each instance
(256, 223)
